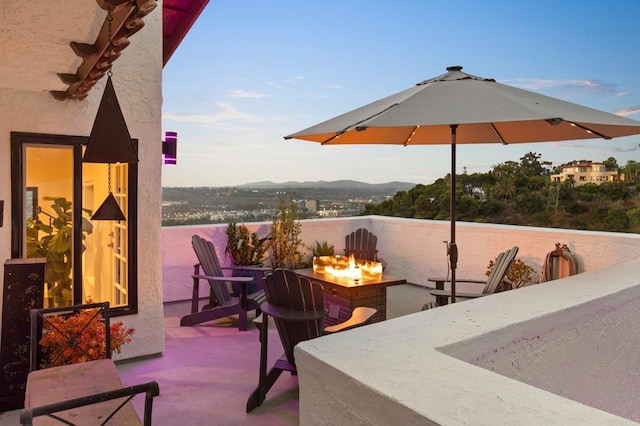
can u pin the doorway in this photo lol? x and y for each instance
(85, 259)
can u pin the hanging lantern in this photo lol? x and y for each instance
(110, 141)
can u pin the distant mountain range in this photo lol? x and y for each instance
(336, 184)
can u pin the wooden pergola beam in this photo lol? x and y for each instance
(113, 37)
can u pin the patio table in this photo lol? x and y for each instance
(342, 295)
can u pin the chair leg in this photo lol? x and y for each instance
(242, 320)
(258, 396)
(196, 292)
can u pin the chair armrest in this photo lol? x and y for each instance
(446, 293)
(248, 268)
(291, 314)
(458, 280)
(228, 279)
(360, 316)
(151, 389)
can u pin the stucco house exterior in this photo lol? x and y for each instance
(44, 46)
(586, 172)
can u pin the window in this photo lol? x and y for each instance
(48, 182)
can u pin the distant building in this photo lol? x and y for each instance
(587, 172)
(328, 213)
(312, 205)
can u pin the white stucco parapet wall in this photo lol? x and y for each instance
(411, 248)
(577, 336)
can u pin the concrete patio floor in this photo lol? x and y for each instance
(207, 372)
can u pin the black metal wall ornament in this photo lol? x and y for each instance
(110, 141)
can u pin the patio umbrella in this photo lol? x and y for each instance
(457, 107)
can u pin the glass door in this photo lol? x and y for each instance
(85, 259)
(50, 217)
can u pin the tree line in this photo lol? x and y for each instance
(522, 193)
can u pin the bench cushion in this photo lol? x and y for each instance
(74, 381)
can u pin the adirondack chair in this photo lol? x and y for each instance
(362, 244)
(221, 303)
(297, 307)
(496, 281)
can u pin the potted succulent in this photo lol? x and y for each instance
(321, 253)
(245, 248)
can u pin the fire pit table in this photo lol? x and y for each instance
(342, 294)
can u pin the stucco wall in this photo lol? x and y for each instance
(137, 80)
(414, 370)
(586, 353)
(412, 248)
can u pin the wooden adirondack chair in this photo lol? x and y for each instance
(297, 307)
(221, 303)
(496, 281)
(362, 244)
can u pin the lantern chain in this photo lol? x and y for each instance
(109, 42)
(109, 177)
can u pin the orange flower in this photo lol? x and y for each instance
(79, 338)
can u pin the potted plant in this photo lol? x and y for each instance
(519, 274)
(54, 242)
(286, 246)
(245, 248)
(322, 255)
(88, 329)
(322, 249)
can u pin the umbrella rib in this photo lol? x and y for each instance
(356, 125)
(493, 127)
(586, 129)
(415, 129)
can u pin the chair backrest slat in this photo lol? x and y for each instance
(500, 269)
(362, 244)
(208, 260)
(285, 289)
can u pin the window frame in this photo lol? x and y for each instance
(18, 141)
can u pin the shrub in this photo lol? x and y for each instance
(519, 273)
(80, 337)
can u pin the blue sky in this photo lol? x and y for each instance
(250, 72)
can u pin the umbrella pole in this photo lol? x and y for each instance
(453, 249)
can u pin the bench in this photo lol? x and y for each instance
(82, 393)
(86, 393)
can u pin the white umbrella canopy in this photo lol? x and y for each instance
(484, 110)
(457, 107)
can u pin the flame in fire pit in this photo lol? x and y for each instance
(343, 267)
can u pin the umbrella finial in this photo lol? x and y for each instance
(455, 68)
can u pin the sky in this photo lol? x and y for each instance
(250, 72)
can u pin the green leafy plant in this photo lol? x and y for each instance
(322, 249)
(519, 273)
(54, 241)
(286, 245)
(244, 247)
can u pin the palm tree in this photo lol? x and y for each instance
(505, 188)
